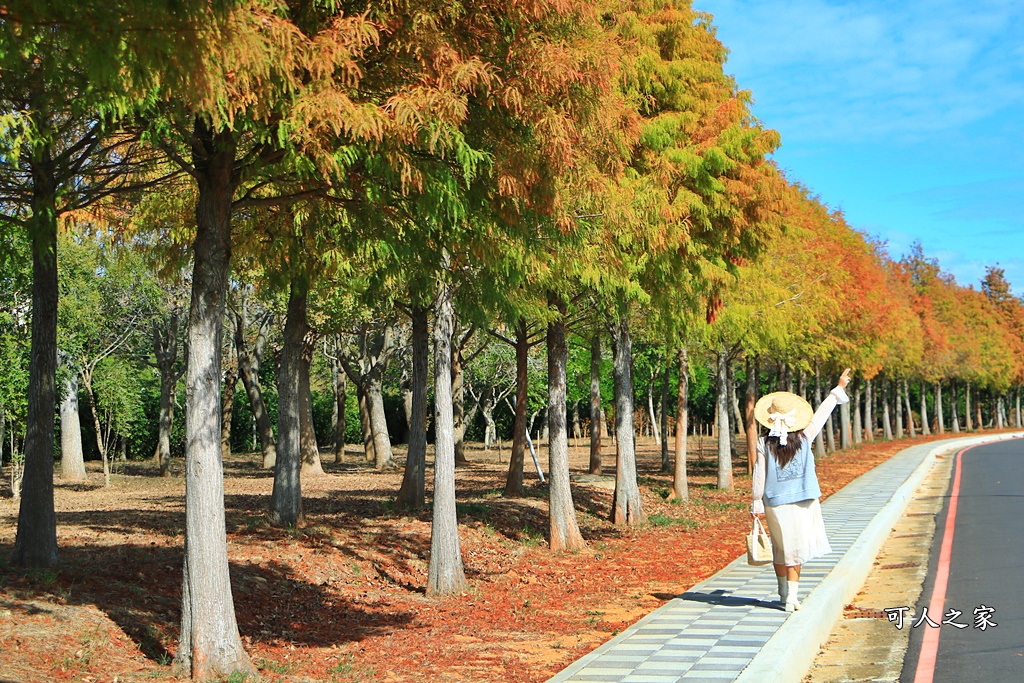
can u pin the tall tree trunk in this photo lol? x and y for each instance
(680, 487)
(459, 403)
(576, 429)
(967, 407)
(210, 645)
(596, 422)
(339, 382)
(72, 462)
(364, 423)
(405, 389)
(1017, 411)
(858, 420)
(3, 436)
(311, 464)
(869, 412)
(486, 407)
(165, 349)
(445, 574)
(563, 529)
(830, 434)
(383, 457)
(977, 409)
(887, 432)
(940, 422)
(35, 545)
(651, 417)
(412, 492)
(925, 429)
(845, 428)
(228, 399)
(724, 445)
(248, 372)
(955, 406)
(286, 497)
(819, 440)
(899, 408)
(469, 417)
(514, 481)
(101, 442)
(626, 505)
(738, 424)
(750, 398)
(910, 413)
(666, 463)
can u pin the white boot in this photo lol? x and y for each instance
(783, 588)
(792, 589)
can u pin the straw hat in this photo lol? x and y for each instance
(783, 412)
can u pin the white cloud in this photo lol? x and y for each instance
(871, 69)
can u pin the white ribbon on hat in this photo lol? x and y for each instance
(781, 424)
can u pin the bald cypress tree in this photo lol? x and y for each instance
(71, 75)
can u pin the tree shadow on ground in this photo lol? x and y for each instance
(168, 521)
(139, 588)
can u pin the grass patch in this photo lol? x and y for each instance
(275, 667)
(659, 519)
(46, 577)
(529, 536)
(474, 510)
(344, 666)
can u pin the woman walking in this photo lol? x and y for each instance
(785, 485)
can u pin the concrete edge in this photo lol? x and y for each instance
(790, 652)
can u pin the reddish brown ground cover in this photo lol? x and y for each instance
(342, 599)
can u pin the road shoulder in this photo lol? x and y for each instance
(864, 645)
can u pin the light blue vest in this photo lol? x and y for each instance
(793, 483)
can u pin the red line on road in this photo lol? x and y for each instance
(930, 644)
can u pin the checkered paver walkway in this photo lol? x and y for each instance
(712, 632)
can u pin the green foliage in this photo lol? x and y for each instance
(15, 319)
(119, 388)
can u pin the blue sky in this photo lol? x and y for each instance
(906, 114)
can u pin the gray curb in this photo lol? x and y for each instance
(789, 654)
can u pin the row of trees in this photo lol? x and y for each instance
(406, 180)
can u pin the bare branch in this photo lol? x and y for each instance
(247, 201)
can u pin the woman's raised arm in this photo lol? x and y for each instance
(821, 415)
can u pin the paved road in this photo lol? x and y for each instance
(984, 563)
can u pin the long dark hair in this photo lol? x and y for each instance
(783, 454)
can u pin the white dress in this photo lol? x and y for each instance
(797, 529)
